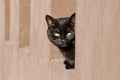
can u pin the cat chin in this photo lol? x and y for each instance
(63, 46)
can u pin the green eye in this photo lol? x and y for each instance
(57, 34)
(69, 34)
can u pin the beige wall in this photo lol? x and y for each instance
(7, 20)
(24, 23)
(27, 54)
(98, 44)
(62, 8)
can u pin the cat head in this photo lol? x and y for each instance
(61, 31)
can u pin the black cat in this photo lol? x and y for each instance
(61, 32)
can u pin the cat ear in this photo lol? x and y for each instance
(50, 21)
(72, 19)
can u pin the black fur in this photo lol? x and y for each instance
(61, 32)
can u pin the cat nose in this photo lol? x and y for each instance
(63, 41)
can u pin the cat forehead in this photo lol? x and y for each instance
(64, 29)
(61, 29)
(62, 21)
(62, 25)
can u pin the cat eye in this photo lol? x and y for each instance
(57, 34)
(69, 34)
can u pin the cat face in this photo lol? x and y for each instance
(61, 31)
